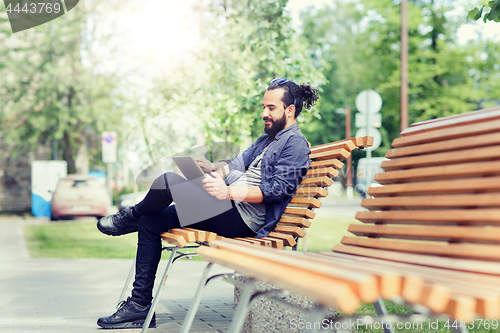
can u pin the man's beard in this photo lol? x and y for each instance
(276, 126)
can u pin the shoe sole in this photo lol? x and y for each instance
(130, 324)
(106, 232)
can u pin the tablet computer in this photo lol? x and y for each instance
(189, 167)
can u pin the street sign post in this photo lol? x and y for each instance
(109, 144)
(369, 103)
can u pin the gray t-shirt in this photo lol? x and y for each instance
(253, 214)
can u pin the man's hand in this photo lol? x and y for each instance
(205, 164)
(215, 186)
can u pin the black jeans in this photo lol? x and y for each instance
(158, 216)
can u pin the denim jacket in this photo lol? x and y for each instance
(284, 163)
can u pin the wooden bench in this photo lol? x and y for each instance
(325, 166)
(430, 237)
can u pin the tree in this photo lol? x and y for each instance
(48, 95)
(440, 81)
(246, 45)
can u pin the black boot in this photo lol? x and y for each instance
(128, 315)
(118, 224)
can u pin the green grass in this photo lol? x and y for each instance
(325, 232)
(76, 240)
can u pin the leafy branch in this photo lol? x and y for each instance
(489, 12)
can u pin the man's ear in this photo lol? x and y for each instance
(290, 111)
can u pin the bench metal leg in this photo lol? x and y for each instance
(188, 320)
(127, 283)
(242, 308)
(156, 299)
(382, 311)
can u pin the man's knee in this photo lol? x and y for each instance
(149, 226)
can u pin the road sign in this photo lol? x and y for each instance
(109, 143)
(372, 119)
(368, 101)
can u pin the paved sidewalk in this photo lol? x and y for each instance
(68, 295)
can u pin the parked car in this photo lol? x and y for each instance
(79, 195)
(130, 199)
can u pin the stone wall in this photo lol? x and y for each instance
(15, 178)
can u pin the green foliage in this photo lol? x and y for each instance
(489, 12)
(445, 77)
(48, 96)
(246, 44)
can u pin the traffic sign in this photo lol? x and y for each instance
(368, 101)
(109, 144)
(372, 119)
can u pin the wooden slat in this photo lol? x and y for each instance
(367, 141)
(275, 242)
(445, 216)
(445, 233)
(319, 172)
(476, 185)
(311, 191)
(317, 181)
(477, 251)
(334, 163)
(187, 234)
(486, 283)
(319, 287)
(448, 133)
(304, 212)
(174, 239)
(468, 155)
(340, 154)
(257, 241)
(294, 220)
(247, 240)
(434, 201)
(389, 281)
(461, 308)
(435, 297)
(483, 282)
(454, 120)
(364, 285)
(347, 145)
(294, 231)
(263, 242)
(218, 237)
(309, 202)
(462, 170)
(485, 289)
(288, 240)
(358, 141)
(199, 234)
(490, 139)
(423, 260)
(210, 236)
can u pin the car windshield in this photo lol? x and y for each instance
(79, 183)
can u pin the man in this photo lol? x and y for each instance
(259, 184)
